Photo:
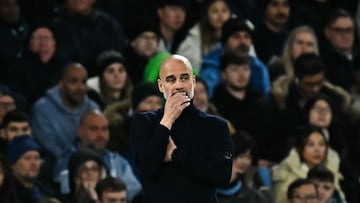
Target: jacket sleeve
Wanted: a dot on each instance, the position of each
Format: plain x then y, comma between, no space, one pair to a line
149,142
215,170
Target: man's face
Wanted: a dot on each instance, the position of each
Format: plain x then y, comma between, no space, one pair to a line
305,193
114,197
341,34
7,103
176,76
150,103
236,76
172,17
42,41
241,164
320,114
145,44
73,85
82,7
201,99
14,129
9,11
311,85
94,131
27,167
277,12
325,189
240,41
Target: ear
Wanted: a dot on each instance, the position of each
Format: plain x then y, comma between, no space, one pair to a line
80,132
194,80
160,85
223,75
327,32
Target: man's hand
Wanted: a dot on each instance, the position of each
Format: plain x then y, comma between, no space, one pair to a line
169,150
174,105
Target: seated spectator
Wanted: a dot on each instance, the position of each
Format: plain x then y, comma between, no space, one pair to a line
236,36
243,186
7,102
86,169
84,32
206,34
112,86
300,40
23,154
143,45
310,149
302,190
41,68
55,117
7,190
111,190
14,31
324,180
16,123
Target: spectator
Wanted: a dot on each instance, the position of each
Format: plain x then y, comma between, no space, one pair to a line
206,34
310,149
23,154
339,52
236,36
86,169
14,32
41,68
302,190
7,189
79,27
16,123
301,40
242,187
324,180
55,117
111,190
143,45
270,35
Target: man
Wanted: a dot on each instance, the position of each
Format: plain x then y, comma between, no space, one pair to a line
324,180
55,116
235,99
270,35
181,152
284,107
15,123
236,36
143,46
14,33
171,15
93,132
302,190
339,52
110,190
84,32
24,157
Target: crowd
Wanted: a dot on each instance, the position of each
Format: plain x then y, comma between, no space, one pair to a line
284,74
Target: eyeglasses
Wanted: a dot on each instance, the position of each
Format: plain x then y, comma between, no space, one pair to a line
340,30
307,197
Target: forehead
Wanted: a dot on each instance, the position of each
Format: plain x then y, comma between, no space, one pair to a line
93,119
42,31
75,71
173,67
305,189
343,21
6,98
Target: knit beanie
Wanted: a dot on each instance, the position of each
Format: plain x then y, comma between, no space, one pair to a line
234,25
142,91
19,146
106,58
139,27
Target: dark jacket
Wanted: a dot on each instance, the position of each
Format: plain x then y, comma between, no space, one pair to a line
85,37
201,162
240,193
